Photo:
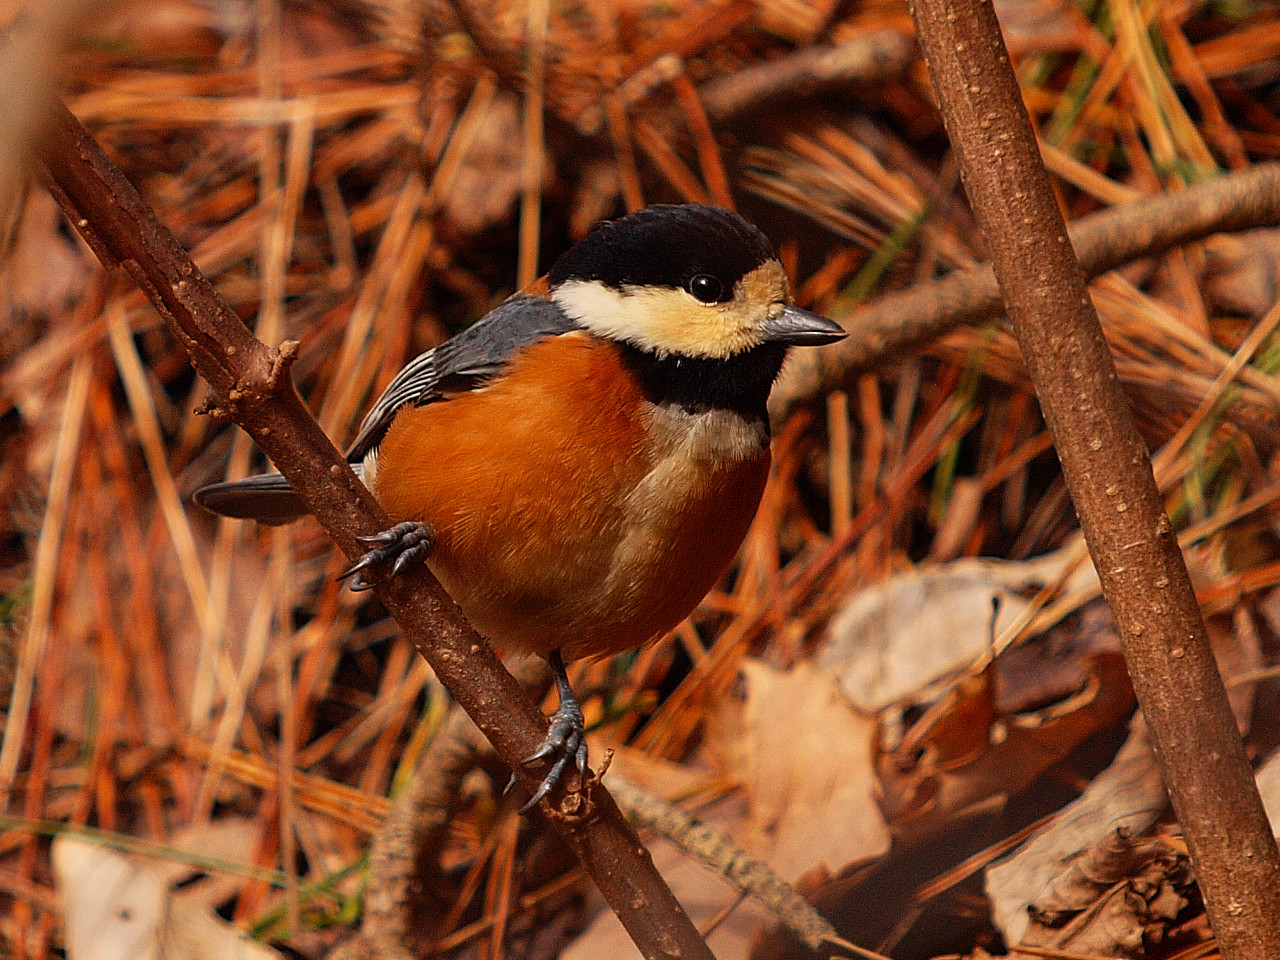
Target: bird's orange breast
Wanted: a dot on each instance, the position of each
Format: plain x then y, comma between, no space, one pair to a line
572,513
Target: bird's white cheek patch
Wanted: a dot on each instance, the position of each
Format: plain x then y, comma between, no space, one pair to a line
662,320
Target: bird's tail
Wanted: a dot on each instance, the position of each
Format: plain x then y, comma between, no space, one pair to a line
266,498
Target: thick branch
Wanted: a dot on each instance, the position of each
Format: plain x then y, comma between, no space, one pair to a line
1108,473
251,385
902,322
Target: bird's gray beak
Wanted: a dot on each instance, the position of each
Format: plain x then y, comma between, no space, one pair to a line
800,328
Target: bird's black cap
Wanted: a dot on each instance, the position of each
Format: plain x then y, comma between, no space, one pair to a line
664,246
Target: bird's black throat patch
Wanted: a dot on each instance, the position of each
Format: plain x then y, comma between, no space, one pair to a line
740,383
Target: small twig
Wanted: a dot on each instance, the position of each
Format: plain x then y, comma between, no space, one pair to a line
752,877
249,385
1108,472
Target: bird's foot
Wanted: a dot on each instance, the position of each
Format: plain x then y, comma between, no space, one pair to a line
403,543
566,741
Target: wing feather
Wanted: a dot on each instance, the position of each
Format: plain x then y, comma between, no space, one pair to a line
463,362
266,498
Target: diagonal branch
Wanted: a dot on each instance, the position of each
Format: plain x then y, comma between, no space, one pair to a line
251,385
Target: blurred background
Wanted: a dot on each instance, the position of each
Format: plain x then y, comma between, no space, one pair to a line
215,732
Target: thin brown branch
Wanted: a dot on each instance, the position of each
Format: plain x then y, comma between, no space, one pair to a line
1108,472
809,71
251,385
898,324
752,877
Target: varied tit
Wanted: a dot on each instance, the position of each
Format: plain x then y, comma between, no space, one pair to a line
580,466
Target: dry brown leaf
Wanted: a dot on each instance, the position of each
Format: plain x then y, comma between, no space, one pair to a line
486,186
890,643
118,908
1055,666
923,790
1039,26
913,642
1122,920
808,773
1085,883
44,271
233,839
1268,778
671,781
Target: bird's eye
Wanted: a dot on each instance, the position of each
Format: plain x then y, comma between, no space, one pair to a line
706,288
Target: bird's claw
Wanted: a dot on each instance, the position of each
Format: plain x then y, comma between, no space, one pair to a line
403,544
567,742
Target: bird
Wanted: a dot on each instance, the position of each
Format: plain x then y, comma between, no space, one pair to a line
579,467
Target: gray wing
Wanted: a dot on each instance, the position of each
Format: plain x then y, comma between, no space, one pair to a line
463,362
